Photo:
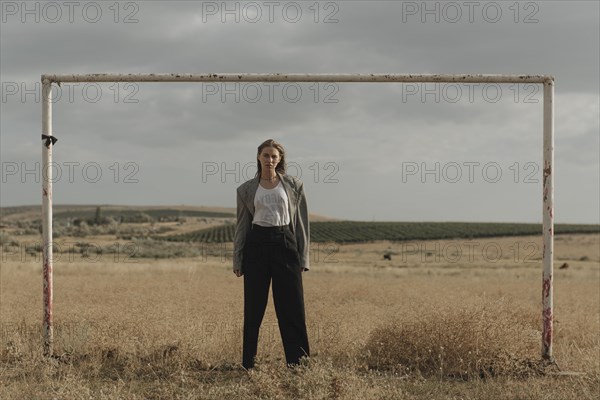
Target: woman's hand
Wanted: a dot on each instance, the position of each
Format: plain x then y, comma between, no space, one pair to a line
238,273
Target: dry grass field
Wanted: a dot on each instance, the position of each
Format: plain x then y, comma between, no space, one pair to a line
440,320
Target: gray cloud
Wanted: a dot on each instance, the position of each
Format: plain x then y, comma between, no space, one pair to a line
365,139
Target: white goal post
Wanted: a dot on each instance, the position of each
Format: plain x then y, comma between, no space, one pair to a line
548,157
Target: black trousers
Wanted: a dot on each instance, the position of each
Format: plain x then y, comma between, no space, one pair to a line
271,253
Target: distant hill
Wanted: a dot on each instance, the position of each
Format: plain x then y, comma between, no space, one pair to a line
180,231
32,212
216,224
364,231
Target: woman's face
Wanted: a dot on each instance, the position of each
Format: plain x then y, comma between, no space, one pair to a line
269,158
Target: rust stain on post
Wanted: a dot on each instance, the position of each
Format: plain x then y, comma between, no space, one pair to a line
548,330
48,325
546,287
547,172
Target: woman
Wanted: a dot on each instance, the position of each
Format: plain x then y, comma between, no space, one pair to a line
271,243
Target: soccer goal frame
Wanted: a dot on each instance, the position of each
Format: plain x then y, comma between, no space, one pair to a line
48,141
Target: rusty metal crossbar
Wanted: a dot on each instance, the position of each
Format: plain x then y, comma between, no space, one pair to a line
548,156
278,77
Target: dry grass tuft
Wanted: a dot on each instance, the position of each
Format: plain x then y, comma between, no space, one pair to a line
313,379
478,339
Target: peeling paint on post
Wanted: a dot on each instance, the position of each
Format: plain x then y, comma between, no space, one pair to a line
47,216
548,221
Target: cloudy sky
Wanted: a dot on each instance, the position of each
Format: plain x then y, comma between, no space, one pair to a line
384,151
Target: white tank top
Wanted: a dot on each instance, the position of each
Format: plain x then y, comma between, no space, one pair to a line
271,206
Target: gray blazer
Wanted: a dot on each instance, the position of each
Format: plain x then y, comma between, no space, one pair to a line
298,217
